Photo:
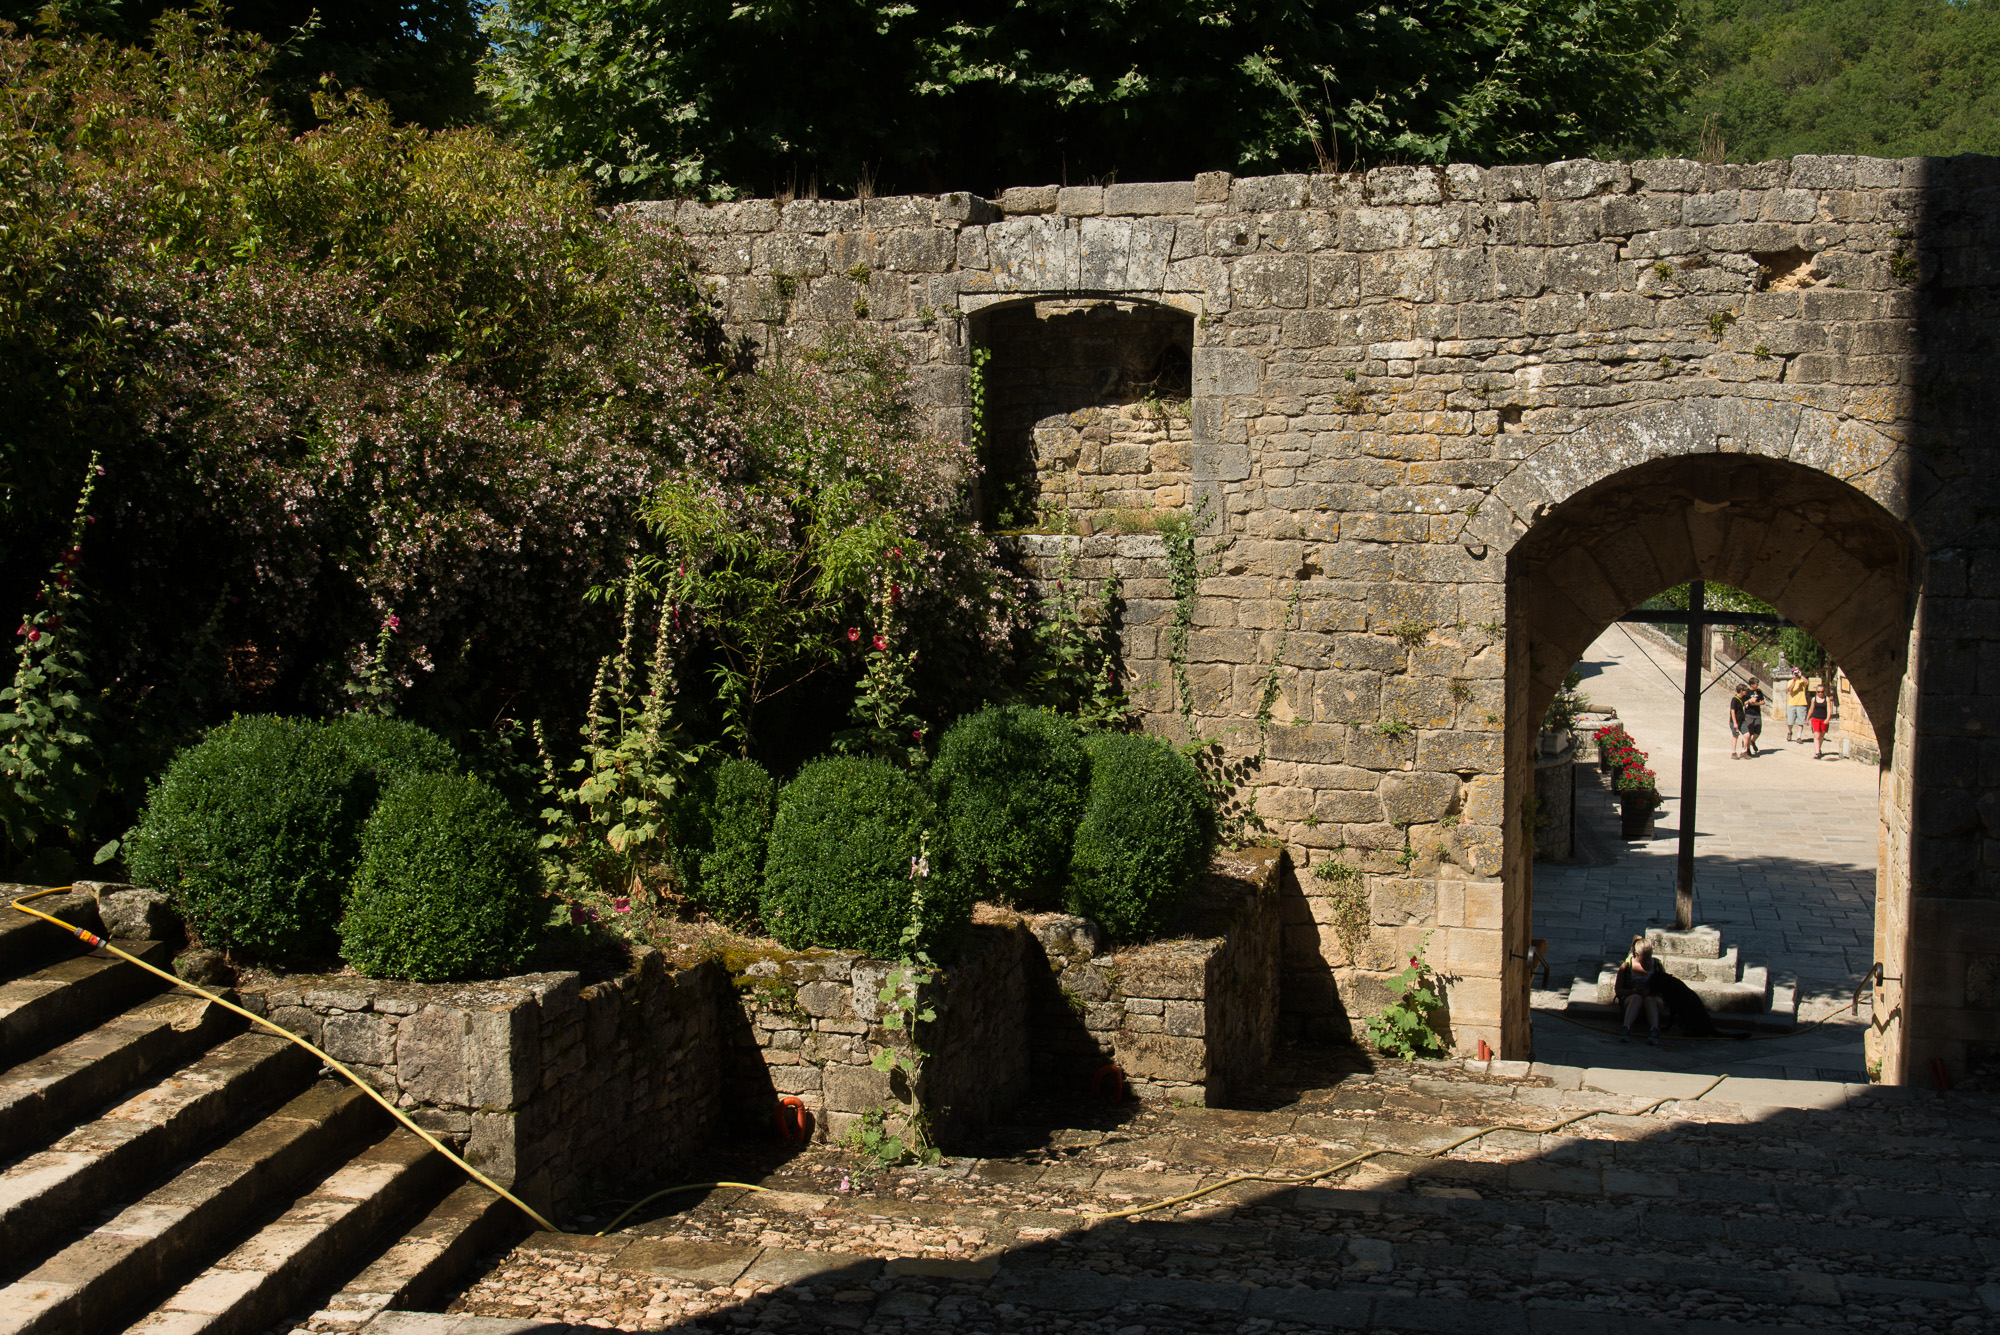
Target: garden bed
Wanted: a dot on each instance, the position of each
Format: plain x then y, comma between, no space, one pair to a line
1191,1016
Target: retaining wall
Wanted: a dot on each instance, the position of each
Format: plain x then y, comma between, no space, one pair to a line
558,1087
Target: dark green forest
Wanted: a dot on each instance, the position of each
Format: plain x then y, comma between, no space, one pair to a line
654,98
1886,78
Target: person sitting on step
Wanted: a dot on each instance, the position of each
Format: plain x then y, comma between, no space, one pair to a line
1638,989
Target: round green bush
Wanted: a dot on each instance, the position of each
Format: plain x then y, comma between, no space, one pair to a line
254,831
449,887
723,831
1147,831
1010,784
839,871
393,748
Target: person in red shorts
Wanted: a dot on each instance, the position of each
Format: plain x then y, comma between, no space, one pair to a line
1816,713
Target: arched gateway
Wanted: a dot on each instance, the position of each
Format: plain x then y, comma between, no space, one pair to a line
1454,422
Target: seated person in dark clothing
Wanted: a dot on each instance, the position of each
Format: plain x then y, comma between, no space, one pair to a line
1637,989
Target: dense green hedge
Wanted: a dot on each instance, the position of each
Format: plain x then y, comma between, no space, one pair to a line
1148,830
254,831
724,829
449,885
840,872
1010,784
393,749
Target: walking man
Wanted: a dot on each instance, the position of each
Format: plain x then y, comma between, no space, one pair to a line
1798,694
1736,716
1753,718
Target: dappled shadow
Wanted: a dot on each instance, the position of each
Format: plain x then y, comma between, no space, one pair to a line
1675,1216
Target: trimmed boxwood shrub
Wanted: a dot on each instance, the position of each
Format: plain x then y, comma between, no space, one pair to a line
1147,831
254,831
449,887
724,830
839,870
394,749
1010,784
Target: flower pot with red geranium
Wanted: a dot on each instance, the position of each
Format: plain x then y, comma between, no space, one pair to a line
1638,798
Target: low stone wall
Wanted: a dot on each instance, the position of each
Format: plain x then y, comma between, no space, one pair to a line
811,1022
557,1087
1191,1017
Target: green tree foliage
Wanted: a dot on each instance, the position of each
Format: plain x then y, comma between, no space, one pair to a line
329,375
449,885
665,97
1887,78
418,56
847,526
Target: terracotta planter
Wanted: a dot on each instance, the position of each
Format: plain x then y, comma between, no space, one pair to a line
1635,814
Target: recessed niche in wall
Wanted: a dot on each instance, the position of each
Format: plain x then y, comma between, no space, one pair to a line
1086,412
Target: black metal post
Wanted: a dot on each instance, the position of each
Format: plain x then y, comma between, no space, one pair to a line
1697,629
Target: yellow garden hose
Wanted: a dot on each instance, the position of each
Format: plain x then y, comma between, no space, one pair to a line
91,939
1345,1164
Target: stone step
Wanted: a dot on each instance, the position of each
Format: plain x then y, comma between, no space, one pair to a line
326,1235
121,1154
27,943
1748,995
177,1229
59,1088
424,1264
44,1007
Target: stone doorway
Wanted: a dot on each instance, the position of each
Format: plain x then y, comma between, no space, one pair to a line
1824,554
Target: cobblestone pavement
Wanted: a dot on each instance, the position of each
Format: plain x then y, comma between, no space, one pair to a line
1858,1207
1785,867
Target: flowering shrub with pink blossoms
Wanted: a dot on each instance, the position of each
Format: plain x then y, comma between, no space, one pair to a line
367,377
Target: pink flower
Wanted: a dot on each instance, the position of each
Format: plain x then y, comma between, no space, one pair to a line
621,905
917,734
881,643
895,553
853,634
579,915
895,594
394,624
33,636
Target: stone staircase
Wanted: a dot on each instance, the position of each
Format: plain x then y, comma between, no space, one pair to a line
164,1167
1700,1217
1764,998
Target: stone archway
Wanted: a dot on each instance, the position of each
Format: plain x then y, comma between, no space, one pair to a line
1820,549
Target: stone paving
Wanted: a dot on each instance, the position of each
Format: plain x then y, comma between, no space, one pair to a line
1705,1207
1785,867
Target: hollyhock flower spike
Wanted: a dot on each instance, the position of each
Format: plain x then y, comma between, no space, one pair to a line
881,643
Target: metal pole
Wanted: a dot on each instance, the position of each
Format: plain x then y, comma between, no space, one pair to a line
1690,748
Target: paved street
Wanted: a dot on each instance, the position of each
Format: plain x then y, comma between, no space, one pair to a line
1785,867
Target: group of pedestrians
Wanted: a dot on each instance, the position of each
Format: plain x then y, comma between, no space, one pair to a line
1807,709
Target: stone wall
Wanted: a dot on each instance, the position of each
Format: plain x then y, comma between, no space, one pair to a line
557,1087
1191,1016
812,1021
1468,417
